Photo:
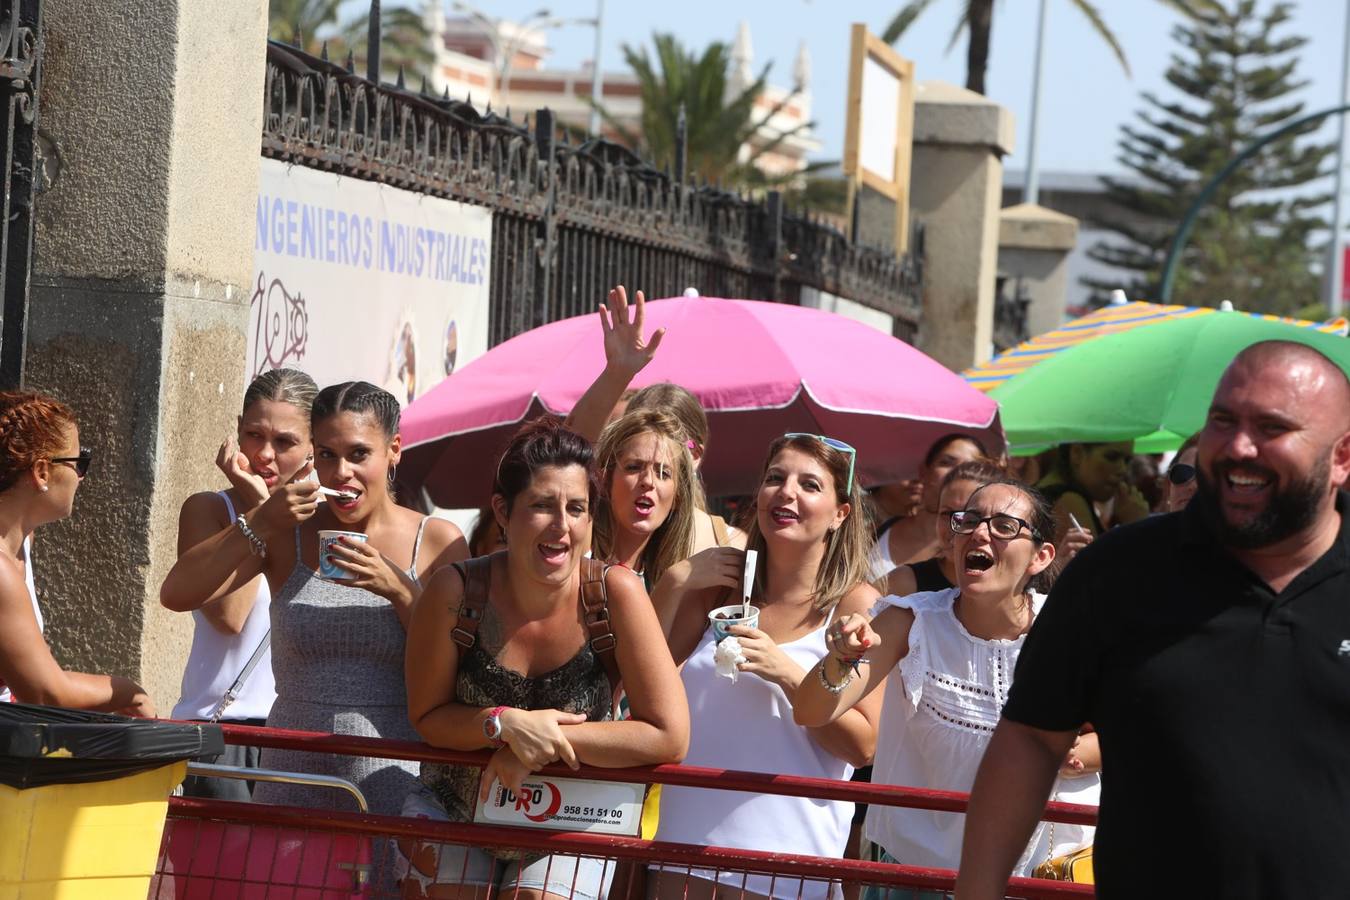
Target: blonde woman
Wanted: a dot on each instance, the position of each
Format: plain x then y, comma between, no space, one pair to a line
812,537
645,517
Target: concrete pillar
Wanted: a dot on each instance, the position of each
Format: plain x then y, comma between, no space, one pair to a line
1034,244
139,304
956,182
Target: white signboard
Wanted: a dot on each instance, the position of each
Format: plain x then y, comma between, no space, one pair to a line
355,280
566,804
880,119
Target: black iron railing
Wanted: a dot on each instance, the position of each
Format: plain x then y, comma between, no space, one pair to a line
569,221
20,72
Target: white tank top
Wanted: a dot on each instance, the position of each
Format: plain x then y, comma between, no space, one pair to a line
5,696
216,660
748,725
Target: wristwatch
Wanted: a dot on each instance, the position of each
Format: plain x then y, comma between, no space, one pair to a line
492,726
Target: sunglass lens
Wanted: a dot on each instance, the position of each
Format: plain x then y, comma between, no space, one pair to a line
82,464
1181,473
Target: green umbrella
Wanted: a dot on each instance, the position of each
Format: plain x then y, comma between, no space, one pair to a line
1152,385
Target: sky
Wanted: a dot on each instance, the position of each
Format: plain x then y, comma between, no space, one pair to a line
1086,93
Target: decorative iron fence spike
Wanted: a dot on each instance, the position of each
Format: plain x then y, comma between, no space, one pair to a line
323,52
423,89
400,82
297,38
351,62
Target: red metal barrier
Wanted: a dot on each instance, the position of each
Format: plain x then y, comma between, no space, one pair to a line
218,850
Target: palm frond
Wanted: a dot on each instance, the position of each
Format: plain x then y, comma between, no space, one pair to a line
903,19
1099,25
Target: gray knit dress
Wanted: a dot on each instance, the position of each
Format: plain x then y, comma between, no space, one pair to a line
337,655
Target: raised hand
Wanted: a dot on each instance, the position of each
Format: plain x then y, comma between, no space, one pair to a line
627,351
250,487
536,735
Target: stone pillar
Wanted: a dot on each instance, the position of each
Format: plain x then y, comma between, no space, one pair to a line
139,305
1034,244
956,182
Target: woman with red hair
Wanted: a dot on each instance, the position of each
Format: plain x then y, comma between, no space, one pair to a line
41,467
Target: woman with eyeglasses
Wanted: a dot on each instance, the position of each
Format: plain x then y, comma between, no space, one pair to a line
1181,477
946,660
41,467
810,532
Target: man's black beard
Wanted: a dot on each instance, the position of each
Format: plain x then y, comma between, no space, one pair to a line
1289,511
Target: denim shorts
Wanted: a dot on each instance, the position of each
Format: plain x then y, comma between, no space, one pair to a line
576,877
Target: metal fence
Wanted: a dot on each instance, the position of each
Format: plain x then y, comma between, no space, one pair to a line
20,72
569,221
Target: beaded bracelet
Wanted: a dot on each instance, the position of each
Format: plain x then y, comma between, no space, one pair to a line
829,685
256,545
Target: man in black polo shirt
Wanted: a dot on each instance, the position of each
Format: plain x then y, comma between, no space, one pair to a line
1211,650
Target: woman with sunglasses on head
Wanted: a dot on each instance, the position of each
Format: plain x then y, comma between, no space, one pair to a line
1181,483
41,467
811,535
337,642
946,660
272,444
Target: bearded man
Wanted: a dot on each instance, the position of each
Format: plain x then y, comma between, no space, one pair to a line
1210,648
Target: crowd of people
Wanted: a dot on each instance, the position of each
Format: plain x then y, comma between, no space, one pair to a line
894,627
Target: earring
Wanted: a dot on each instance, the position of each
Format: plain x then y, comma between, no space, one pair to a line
44,488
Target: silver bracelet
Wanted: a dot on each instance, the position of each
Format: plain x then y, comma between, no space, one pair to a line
256,545
829,685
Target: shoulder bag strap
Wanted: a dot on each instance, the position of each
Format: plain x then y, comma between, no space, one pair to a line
232,692
477,575
595,615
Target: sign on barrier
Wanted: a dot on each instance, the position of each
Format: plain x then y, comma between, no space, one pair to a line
566,804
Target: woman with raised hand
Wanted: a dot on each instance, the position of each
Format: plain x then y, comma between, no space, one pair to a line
338,641
946,659
272,444
41,467
627,352
644,516
811,537
522,652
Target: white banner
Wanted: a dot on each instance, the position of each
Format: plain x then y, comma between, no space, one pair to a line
566,804
360,281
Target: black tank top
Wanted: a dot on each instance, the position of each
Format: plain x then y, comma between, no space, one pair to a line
928,576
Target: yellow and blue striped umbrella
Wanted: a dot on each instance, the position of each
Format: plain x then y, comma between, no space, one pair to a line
1107,320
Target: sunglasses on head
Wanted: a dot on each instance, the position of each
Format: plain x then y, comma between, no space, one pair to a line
835,444
79,463
1181,473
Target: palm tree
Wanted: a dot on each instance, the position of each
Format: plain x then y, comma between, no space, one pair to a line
978,20
699,88
404,40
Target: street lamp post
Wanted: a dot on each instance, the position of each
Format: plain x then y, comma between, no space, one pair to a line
505,51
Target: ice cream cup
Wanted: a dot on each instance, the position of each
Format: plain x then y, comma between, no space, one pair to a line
721,625
328,567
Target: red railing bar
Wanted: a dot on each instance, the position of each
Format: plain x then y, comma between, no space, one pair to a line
665,853
683,776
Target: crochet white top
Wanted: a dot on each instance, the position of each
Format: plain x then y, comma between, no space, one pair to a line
940,711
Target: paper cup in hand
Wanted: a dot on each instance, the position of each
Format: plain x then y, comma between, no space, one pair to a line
724,617
328,567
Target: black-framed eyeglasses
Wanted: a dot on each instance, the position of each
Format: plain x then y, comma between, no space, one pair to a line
836,444
1181,473
1001,525
79,463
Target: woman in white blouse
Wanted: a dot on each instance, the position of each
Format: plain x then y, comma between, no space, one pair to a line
955,651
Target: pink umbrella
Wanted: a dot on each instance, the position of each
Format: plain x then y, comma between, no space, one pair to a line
760,369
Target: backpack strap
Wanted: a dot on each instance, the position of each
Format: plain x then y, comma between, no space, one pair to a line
477,575
595,616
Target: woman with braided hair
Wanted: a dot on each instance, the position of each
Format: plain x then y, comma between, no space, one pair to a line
41,467
337,642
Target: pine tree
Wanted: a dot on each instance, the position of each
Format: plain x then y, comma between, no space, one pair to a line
1252,244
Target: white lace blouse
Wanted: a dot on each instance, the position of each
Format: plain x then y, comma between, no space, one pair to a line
940,710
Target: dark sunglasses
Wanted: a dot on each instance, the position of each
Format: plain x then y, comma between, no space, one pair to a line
1181,473
79,463
1001,525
